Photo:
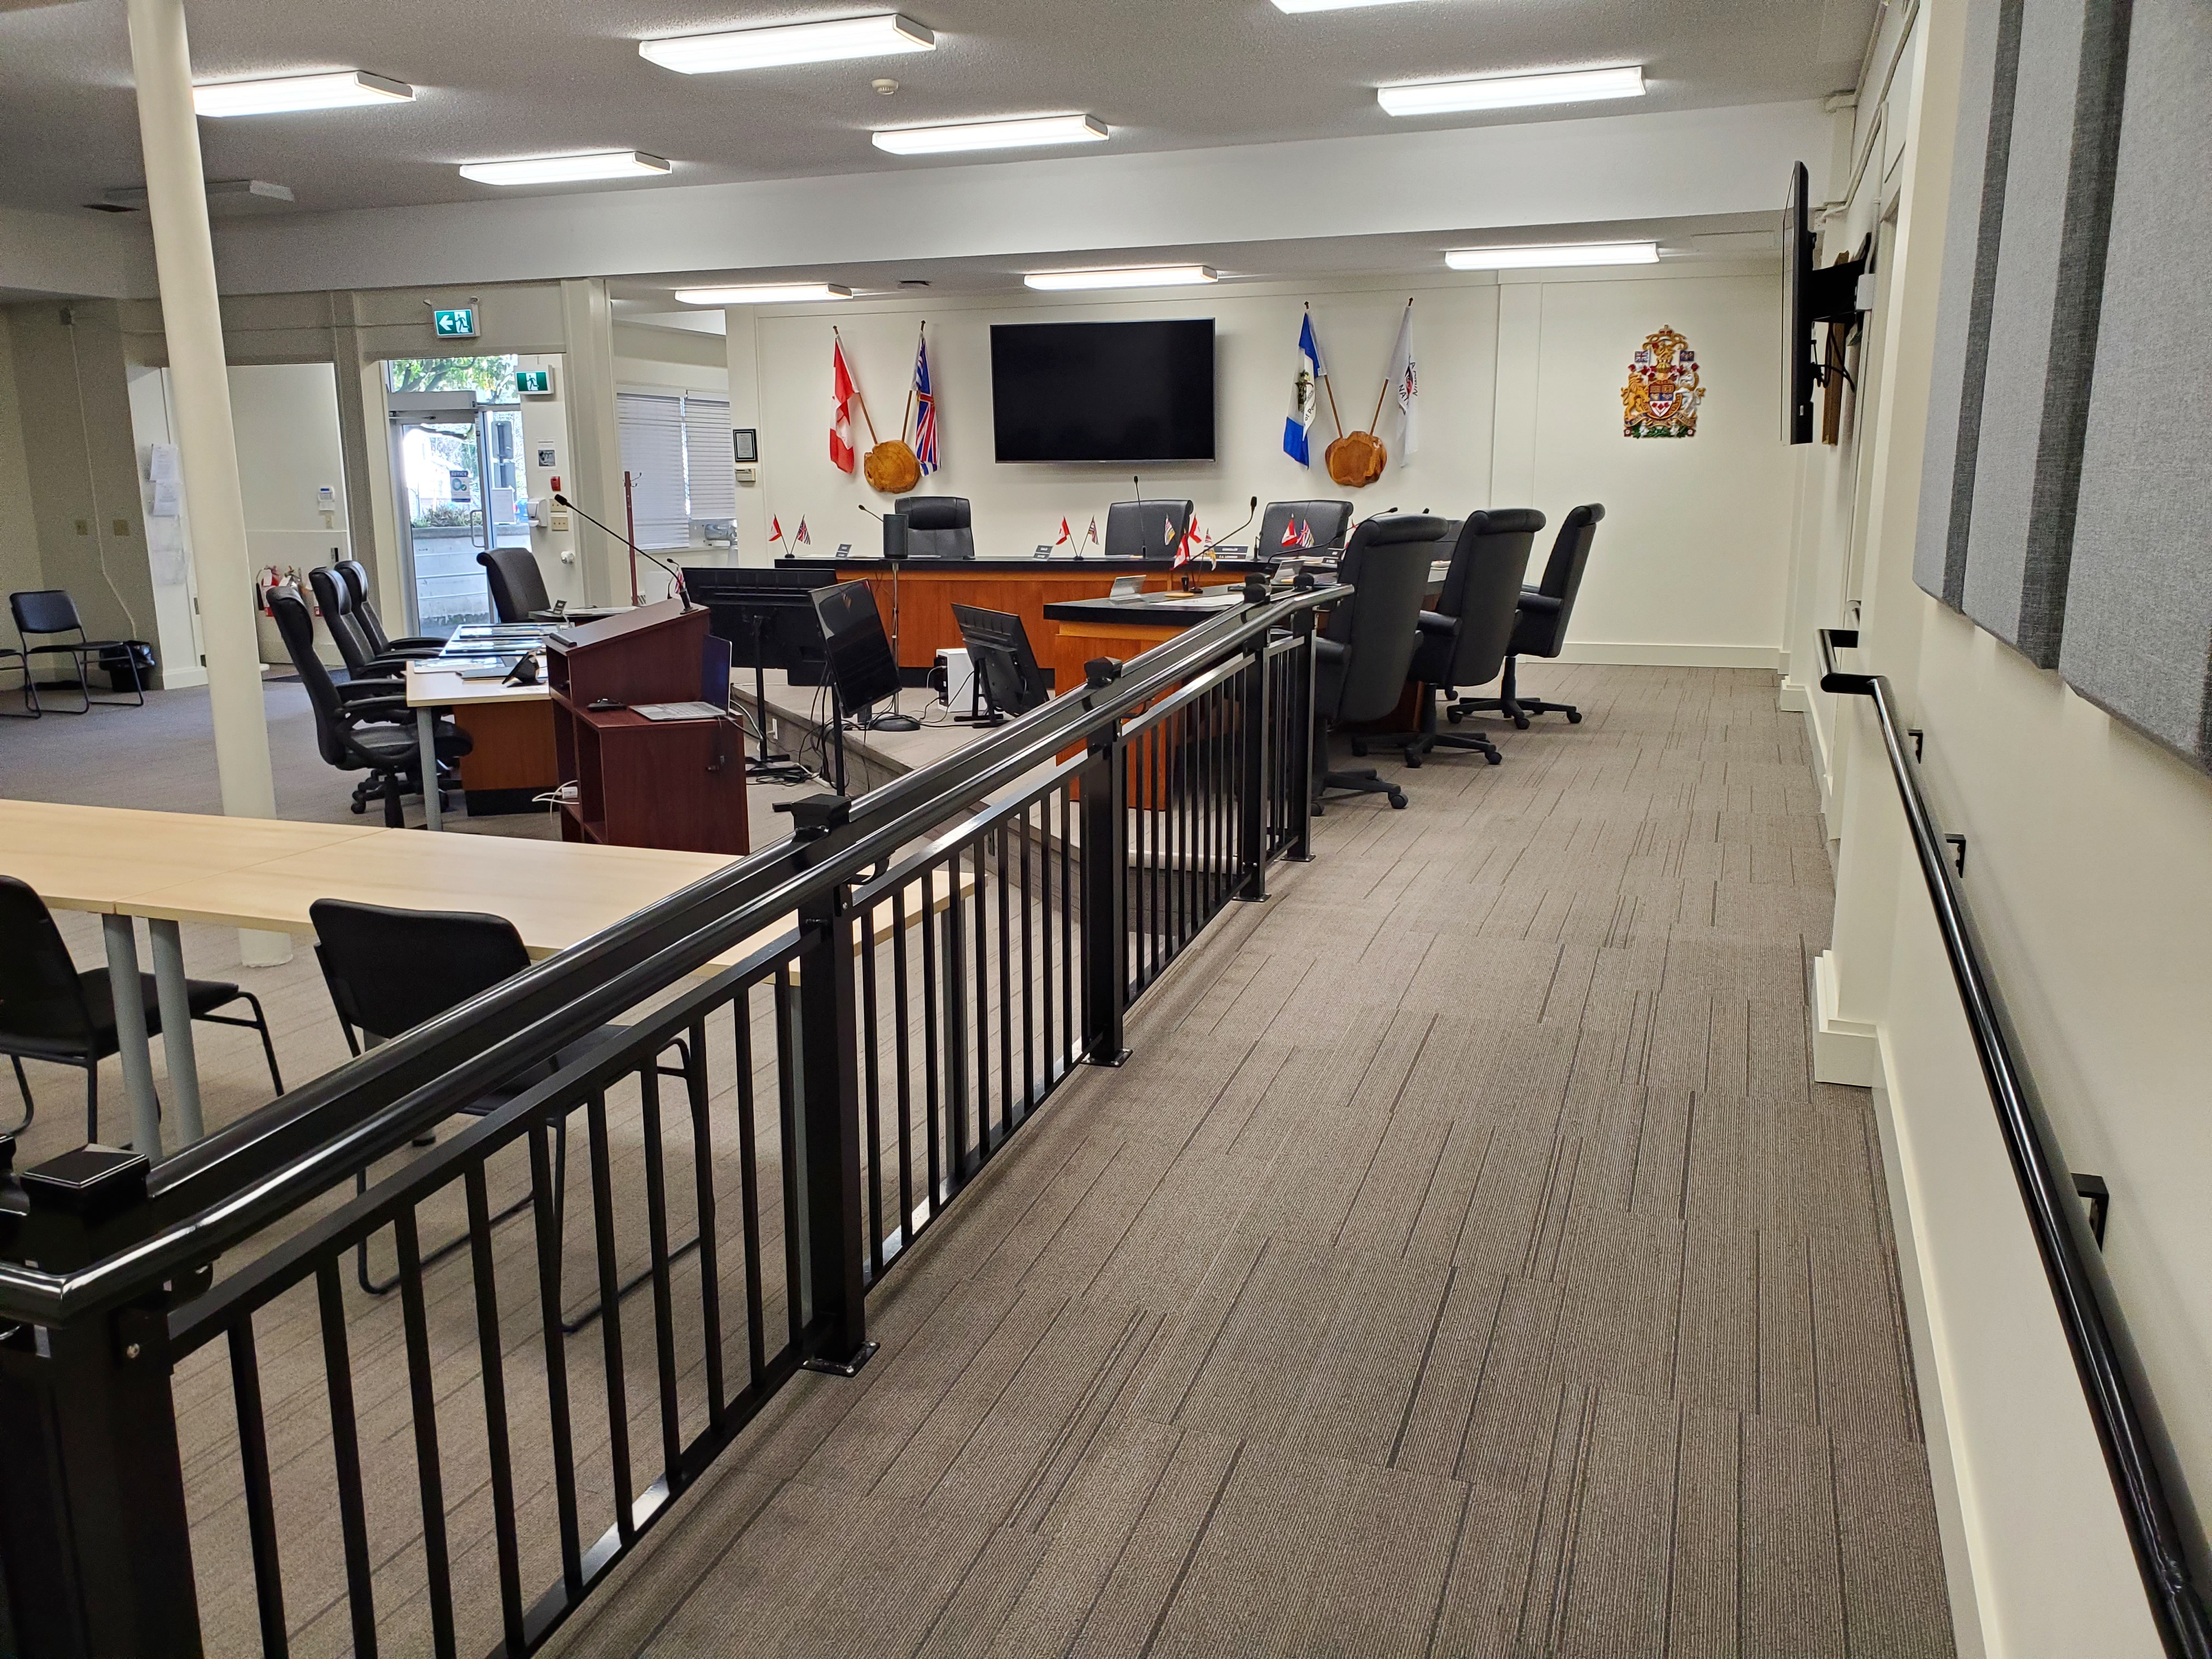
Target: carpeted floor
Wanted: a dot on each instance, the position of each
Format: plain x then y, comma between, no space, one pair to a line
1464,1265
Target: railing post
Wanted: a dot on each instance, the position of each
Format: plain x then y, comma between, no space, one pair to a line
94,1536
1258,734
1105,854
1298,730
825,1155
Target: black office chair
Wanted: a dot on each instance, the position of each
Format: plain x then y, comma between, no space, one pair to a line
49,613
1541,627
334,599
518,590
1463,639
51,1012
938,527
351,727
1314,528
1134,528
390,970
354,576
1367,644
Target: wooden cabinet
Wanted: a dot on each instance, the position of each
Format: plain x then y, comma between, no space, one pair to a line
676,784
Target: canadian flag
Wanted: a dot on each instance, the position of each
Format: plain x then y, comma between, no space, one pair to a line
775,529
1290,533
841,403
1063,534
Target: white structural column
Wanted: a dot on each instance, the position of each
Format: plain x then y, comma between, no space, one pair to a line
183,259
593,478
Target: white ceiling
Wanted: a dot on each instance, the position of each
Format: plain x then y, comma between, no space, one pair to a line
503,78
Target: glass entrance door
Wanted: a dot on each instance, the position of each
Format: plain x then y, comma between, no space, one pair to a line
457,474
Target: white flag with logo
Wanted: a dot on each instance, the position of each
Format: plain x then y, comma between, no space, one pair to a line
1406,386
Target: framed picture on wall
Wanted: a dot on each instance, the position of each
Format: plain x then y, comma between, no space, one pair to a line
745,443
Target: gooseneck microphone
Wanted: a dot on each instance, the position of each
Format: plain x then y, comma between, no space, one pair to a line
675,575
1143,530
1253,514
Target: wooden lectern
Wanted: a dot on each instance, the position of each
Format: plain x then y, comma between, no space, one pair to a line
676,784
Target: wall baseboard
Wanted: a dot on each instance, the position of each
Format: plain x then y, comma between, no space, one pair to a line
1794,698
1638,655
1844,1050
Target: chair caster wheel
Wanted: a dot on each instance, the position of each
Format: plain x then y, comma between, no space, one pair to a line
1413,763
1495,758
1521,722
1397,800
1574,717
1453,715
359,809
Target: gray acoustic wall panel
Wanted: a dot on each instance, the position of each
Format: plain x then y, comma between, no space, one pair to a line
2139,599
2043,320
1970,271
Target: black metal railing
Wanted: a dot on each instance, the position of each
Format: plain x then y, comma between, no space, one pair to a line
2086,1309
864,1014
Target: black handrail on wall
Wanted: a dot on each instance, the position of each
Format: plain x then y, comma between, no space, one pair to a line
2054,1216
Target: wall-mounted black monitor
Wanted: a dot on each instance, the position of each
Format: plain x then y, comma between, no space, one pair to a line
1131,392
1796,310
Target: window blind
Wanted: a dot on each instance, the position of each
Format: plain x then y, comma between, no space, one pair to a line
651,427
709,461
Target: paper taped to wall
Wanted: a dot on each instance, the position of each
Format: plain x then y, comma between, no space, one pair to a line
161,465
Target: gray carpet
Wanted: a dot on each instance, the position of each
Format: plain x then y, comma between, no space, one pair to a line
1464,1264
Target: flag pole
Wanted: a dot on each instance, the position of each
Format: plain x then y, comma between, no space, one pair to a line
861,398
1386,382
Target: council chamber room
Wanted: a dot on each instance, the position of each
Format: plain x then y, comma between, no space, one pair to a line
1367,827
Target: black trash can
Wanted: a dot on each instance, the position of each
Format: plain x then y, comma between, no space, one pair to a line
129,665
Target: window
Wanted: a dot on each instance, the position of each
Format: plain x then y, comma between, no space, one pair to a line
676,447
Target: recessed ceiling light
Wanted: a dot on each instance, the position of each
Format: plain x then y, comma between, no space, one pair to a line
1512,91
286,93
568,169
766,294
993,135
789,43
1137,276
1558,253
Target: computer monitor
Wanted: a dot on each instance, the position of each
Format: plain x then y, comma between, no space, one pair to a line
999,646
861,666
767,614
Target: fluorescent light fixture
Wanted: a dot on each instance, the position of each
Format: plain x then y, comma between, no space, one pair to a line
1136,277
993,135
1512,91
286,93
1297,6
568,169
789,43
1558,253
766,294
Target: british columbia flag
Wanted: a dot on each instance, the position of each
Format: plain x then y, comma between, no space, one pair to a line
925,424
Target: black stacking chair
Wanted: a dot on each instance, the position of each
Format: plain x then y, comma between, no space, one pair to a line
49,614
518,588
1367,645
51,1012
1325,521
352,727
1463,639
390,970
1541,627
30,710
1134,528
354,576
938,527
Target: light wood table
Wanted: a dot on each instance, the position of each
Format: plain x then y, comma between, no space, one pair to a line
97,859
511,726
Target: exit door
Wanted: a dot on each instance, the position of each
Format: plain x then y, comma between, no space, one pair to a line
456,466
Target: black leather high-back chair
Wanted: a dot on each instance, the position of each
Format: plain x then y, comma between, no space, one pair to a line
1463,639
938,527
353,728
1367,644
51,1012
354,576
1324,522
1134,528
518,588
334,599
49,614
1541,627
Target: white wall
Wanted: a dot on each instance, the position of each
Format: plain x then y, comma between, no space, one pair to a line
1691,565
2090,886
19,529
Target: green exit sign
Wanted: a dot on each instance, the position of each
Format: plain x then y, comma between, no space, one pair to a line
534,382
458,323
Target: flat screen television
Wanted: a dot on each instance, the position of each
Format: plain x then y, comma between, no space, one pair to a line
1798,376
1131,393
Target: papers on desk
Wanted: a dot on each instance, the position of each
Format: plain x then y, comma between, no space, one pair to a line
678,711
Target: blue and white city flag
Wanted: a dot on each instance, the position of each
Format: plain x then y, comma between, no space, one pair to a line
1304,396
